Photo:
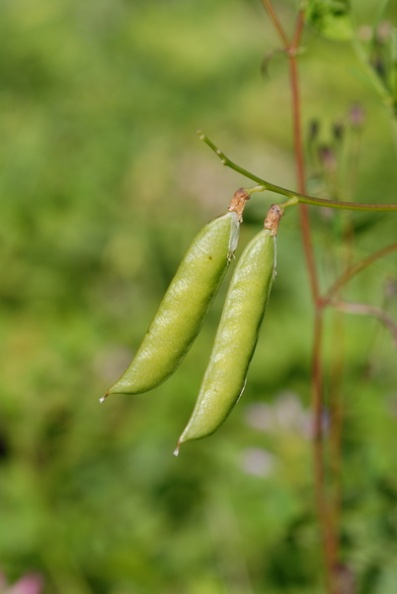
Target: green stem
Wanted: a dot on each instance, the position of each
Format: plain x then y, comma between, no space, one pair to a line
300,198
227,162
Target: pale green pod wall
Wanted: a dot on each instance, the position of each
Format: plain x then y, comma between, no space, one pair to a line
183,308
236,337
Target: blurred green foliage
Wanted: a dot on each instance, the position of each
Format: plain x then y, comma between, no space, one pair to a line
103,184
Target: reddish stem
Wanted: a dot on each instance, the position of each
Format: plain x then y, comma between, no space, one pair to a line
300,175
329,539
335,427
355,269
327,528
277,24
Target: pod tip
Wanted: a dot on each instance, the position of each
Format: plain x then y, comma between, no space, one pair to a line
101,400
176,451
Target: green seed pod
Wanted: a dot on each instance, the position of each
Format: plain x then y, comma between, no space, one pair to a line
183,308
237,334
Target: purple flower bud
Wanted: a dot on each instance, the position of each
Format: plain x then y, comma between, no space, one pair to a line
356,115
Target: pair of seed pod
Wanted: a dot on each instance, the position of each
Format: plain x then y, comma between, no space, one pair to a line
185,305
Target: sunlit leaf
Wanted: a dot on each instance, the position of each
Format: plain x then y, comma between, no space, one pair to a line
330,18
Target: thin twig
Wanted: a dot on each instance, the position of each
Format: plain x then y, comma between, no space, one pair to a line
299,26
300,197
275,20
363,309
353,270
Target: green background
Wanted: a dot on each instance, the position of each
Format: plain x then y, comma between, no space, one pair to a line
103,185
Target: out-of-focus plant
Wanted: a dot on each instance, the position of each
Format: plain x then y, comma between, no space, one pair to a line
27,584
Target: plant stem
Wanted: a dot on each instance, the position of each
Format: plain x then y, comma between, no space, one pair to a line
301,198
368,310
329,540
275,20
299,159
327,529
355,269
336,423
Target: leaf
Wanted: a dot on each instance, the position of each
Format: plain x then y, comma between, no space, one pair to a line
330,18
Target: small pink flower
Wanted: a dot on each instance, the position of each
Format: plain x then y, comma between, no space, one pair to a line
31,583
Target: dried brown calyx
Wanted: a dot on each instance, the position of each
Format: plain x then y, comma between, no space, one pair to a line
273,217
237,203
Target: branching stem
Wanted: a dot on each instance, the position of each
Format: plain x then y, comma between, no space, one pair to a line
328,511
300,198
356,268
368,310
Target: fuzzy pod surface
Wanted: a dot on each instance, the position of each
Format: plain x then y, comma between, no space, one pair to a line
183,308
236,337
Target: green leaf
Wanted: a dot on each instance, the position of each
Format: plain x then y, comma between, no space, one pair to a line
330,18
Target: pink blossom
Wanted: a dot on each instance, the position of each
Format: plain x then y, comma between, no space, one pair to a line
31,583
